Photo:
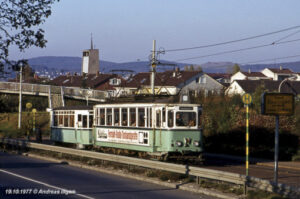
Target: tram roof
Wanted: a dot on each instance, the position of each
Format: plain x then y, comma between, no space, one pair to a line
74,108
143,104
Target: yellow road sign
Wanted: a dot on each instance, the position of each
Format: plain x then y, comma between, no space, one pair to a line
278,104
247,99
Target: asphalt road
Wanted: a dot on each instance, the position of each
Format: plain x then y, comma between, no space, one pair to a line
24,177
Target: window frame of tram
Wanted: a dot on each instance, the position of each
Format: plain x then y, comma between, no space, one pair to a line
124,114
186,118
141,117
132,117
64,119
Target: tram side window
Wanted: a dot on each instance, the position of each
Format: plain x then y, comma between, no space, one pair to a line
79,120
164,115
132,117
124,117
141,114
71,121
109,117
55,120
117,116
84,121
91,121
170,118
158,118
102,116
60,120
66,120
150,117
97,117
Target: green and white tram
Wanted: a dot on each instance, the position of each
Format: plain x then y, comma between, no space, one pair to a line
73,125
158,129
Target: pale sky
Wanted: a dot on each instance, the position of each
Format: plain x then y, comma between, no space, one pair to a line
123,30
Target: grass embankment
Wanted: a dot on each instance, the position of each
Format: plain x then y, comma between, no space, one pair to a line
9,124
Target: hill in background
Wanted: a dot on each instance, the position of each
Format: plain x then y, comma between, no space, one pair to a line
73,64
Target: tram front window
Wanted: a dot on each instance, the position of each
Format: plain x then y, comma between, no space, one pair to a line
186,119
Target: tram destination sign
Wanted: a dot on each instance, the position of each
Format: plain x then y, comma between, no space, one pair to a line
278,104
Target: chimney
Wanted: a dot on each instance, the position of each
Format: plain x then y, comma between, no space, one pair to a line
280,67
249,71
68,74
97,74
35,76
176,72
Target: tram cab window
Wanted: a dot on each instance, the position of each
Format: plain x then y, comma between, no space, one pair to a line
116,116
102,116
124,117
170,118
108,117
141,114
132,116
186,119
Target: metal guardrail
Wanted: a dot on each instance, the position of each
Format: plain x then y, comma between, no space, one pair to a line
176,168
39,89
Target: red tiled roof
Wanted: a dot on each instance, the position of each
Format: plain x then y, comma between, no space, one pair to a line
167,78
249,86
253,74
219,75
91,80
283,70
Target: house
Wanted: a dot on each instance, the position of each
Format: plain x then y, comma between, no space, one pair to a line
278,74
104,82
248,76
241,87
170,83
298,76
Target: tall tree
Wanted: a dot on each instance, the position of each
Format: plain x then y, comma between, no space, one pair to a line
19,21
236,68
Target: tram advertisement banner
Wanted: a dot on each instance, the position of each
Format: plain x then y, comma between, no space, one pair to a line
137,137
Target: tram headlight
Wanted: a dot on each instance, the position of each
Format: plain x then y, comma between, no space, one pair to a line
196,143
179,143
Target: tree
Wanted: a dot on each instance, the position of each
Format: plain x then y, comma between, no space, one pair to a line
19,20
199,68
236,68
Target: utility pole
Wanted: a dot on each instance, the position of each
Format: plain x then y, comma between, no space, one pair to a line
20,98
153,68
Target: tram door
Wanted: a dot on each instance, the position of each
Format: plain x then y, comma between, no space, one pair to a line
81,126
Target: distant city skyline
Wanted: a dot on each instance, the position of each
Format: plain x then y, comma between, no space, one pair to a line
123,30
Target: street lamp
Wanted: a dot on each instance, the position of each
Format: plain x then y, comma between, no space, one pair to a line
283,81
20,96
277,134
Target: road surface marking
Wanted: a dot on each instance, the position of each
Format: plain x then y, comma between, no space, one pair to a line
42,183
